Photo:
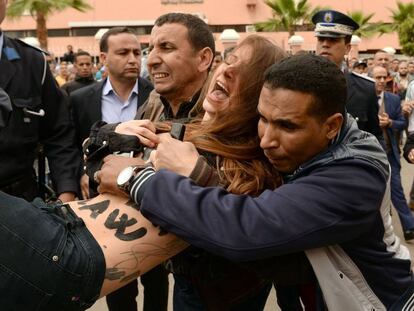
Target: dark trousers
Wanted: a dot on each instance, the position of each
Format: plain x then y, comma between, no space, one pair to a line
25,188
123,299
397,195
288,298
155,283
186,298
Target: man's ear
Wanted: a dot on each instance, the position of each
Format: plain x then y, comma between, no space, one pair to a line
333,125
347,48
205,58
102,58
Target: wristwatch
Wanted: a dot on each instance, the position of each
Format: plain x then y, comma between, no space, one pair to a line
125,177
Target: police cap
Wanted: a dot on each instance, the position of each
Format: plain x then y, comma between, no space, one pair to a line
333,24
360,63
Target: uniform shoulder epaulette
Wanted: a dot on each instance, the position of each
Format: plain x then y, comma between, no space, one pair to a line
363,77
32,46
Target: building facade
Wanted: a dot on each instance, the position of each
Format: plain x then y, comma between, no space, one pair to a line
82,29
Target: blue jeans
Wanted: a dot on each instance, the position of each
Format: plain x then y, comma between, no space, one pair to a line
48,258
397,195
186,298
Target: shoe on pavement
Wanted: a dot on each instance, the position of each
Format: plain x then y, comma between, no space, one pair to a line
409,235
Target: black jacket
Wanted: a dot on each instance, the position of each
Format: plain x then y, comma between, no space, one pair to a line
77,84
362,104
86,106
25,76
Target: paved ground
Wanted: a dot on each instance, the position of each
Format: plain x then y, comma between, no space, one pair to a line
407,178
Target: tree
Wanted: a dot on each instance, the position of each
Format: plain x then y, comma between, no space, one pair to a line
403,12
406,36
40,10
403,23
366,29
287,15
399,16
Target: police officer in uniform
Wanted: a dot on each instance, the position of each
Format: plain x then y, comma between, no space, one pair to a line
40,114
334,31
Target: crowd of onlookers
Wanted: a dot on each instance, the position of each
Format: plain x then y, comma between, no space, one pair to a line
400,69
399,81
64,68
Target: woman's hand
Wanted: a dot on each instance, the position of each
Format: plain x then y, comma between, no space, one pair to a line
407,108
84,184
174,155
143,129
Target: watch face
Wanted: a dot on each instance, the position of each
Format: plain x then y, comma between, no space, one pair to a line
125,175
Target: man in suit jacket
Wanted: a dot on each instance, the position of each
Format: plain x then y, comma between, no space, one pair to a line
391,119
86,106
361,100
116,99
334,31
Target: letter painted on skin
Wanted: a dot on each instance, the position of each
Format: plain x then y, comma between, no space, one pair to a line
84,202
131,277
162,231
121,224
127,269
96,209
132,204
114,274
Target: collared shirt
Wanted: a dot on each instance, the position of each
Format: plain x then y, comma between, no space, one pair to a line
409,96
381,109
380,99
114,109
183,110
1,42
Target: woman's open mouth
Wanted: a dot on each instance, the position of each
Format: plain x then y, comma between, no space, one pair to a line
219,91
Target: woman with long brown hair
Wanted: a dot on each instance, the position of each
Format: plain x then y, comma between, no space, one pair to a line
227,139
228,127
